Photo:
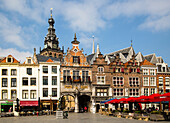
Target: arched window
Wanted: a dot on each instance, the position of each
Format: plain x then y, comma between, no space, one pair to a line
100,69
50,54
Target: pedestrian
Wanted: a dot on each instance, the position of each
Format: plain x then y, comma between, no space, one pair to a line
85,109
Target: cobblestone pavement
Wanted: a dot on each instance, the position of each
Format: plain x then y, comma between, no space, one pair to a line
73,118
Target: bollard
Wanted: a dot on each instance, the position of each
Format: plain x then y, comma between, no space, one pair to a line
37,113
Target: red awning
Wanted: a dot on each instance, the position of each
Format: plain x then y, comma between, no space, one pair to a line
28,103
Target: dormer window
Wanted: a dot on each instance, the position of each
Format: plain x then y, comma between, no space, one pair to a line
29,61
9,60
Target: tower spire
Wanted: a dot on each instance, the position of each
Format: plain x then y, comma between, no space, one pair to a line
98,50
93,49
75,38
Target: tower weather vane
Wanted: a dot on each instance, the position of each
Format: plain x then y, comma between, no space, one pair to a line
51,11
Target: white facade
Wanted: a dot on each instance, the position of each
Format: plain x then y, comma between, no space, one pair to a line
50,85
29,81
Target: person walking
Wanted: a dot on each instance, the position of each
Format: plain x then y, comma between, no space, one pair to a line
85,109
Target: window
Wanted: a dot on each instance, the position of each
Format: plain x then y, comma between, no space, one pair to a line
45,92
152,71
85,76
45,69
146,92
24,94
54,92
4,72
101,92
76,76
25,81
45,80
145,72
29,61
33,94
167,81
118,92
4,94
152,91
13,94
66,75
4,82
133,81
145,81
9,59
118,81
33,81
134,92
163,69
100,80
29,71
13,72
160,81
13,82
54,69
76,59
54,80
100,69
152,81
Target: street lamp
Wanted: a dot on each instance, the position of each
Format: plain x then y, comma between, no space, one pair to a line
50,104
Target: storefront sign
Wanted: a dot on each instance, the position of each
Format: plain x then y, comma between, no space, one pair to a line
46,103
84,86
28,103
68,86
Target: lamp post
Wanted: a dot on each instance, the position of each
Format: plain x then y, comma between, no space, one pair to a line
50,104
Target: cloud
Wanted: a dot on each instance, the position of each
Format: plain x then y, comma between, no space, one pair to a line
155,13
156,24
10,32
19,55
86,40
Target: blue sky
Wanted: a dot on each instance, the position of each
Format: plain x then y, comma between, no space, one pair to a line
24,24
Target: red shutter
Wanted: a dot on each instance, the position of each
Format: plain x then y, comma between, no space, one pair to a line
130,70
138,70
122,70
119,63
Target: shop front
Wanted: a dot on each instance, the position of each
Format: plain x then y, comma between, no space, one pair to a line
49,104
6,106
28,105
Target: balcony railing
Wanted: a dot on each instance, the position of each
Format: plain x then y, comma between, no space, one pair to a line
86,79
67,79
76,79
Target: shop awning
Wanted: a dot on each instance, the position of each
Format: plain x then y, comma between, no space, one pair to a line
107,100
28,103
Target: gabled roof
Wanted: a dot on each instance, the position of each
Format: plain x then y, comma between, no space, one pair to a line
149,57
31,59
42,58
146,62
139,57
4,59
125,50
89,57
49,60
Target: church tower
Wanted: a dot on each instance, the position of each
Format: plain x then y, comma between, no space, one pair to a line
51,43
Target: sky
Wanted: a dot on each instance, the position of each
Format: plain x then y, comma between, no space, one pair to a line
114,23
